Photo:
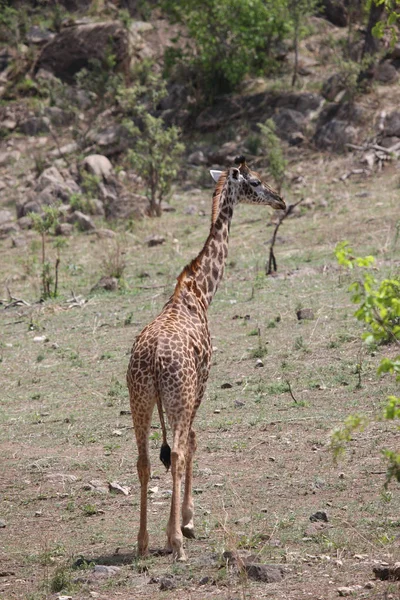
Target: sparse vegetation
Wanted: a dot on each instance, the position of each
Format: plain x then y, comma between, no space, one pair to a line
263,464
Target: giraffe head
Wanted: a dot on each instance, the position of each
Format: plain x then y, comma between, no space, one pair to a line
246,186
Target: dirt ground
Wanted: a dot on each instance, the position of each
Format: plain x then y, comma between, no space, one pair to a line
264,463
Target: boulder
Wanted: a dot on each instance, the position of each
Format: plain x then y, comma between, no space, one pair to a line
58,116
48,177
8,158
34,125
74,47
335,11
5,216
39,36
256,107
197,158
98,165
334,135
392,125
288,122
385,72
82,221
64,229
8,228
112,140
332,87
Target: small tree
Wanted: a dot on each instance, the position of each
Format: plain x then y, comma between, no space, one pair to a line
44,224
156,158
299,12
156,148
272,146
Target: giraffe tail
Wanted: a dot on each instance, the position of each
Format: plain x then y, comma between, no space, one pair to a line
165,452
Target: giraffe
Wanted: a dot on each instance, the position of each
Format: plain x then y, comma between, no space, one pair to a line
170,359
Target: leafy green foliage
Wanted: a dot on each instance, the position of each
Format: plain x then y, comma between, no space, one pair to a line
155,157
344,434
379,308
392,21
226,40
379,302
44,224
156,151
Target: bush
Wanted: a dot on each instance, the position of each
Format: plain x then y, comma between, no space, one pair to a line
226,40
379,309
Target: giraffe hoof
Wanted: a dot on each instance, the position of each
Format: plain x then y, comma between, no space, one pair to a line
188,532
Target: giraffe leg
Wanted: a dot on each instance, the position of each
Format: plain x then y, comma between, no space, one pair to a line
187,505
142,431
174,533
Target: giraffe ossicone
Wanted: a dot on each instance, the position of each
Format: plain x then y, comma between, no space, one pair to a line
171,357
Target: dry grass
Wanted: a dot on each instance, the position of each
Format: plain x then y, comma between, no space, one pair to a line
263,464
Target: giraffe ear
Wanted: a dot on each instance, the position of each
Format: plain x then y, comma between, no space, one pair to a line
216,175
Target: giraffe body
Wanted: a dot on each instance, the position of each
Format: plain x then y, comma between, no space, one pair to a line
171,357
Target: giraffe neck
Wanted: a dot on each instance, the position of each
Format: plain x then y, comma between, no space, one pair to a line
205,272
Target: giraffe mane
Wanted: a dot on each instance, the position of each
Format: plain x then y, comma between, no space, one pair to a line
217,196
192,267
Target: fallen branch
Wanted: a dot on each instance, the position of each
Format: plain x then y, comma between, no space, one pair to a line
271,266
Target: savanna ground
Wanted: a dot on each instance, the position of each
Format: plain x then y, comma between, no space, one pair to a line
263,465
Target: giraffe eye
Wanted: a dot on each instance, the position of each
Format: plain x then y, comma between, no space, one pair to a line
255,183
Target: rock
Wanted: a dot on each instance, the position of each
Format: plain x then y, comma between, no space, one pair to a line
74,47
332,87
112,140
49,176
104,234
335,11
259,363
5,216
105,571
315,529
167,583
83,222
37,35
197,158
25,222
257,107
35,125
388,573
58,116
96,486
266,573
288,121
18,241
205,580
305,314
345,591
8,158
7,229
385,72
110,284
320,515
98,165
63,150
2,524
334,135
296,139
239,403
392,124
388,142
118,489
9,124
64,229
154,240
